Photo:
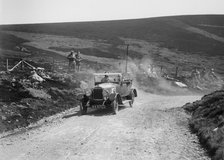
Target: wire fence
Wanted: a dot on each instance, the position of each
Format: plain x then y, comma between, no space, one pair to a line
11,63
52,64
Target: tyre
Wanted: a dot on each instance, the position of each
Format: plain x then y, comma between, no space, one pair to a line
114,106
132,99
83,108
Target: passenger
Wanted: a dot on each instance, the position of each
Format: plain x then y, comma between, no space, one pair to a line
118,78
105,79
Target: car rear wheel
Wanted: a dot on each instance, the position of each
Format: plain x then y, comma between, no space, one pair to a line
132,99
83,108
114,106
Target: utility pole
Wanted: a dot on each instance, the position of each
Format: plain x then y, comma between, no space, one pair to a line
126,68
176,73
7,65
53,64
161,69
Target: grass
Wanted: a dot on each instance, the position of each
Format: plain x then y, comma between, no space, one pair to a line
10,41
167,31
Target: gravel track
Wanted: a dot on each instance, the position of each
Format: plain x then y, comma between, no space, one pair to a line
155,128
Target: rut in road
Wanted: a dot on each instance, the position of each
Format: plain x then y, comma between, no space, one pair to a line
153,129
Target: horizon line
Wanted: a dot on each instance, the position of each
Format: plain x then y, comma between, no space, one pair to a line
110,20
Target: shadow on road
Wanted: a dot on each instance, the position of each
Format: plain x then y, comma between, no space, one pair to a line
103,112
73,114
95,112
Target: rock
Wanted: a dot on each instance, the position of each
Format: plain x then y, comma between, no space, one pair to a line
3,117
21,106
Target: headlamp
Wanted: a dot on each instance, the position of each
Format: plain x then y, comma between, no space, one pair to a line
113,90
88,92
105,93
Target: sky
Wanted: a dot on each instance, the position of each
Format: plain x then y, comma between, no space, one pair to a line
47,11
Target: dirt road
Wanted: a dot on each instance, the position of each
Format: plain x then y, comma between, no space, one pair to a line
151,130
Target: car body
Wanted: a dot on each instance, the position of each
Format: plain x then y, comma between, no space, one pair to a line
112,93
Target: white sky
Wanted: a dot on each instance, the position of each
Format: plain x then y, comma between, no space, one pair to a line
42,11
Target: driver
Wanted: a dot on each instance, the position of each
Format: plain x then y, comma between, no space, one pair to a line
118,78
105,79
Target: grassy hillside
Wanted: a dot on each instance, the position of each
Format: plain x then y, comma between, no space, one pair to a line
167,31
183,41
210,23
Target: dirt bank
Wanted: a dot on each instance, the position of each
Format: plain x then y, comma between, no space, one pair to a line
24,101
207,122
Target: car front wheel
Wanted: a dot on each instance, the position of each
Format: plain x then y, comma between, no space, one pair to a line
83,108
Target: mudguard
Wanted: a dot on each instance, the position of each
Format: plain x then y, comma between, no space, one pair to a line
135,92
114,96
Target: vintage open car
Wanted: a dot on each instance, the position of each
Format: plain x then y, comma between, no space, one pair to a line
114,92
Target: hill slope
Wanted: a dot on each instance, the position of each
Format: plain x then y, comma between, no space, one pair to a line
173,32
186,41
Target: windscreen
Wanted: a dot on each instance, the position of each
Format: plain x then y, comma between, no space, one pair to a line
108,78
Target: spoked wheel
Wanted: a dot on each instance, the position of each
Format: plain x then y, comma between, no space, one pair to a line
83,108
114,106
132,99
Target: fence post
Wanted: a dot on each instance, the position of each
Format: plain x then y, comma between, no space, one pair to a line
22,65
7,65
161,69
53,65
176,74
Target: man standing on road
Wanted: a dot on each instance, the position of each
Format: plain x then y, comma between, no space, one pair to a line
71,60
78,60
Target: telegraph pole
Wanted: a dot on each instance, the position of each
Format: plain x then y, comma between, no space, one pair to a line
126,68
176,72
7,65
